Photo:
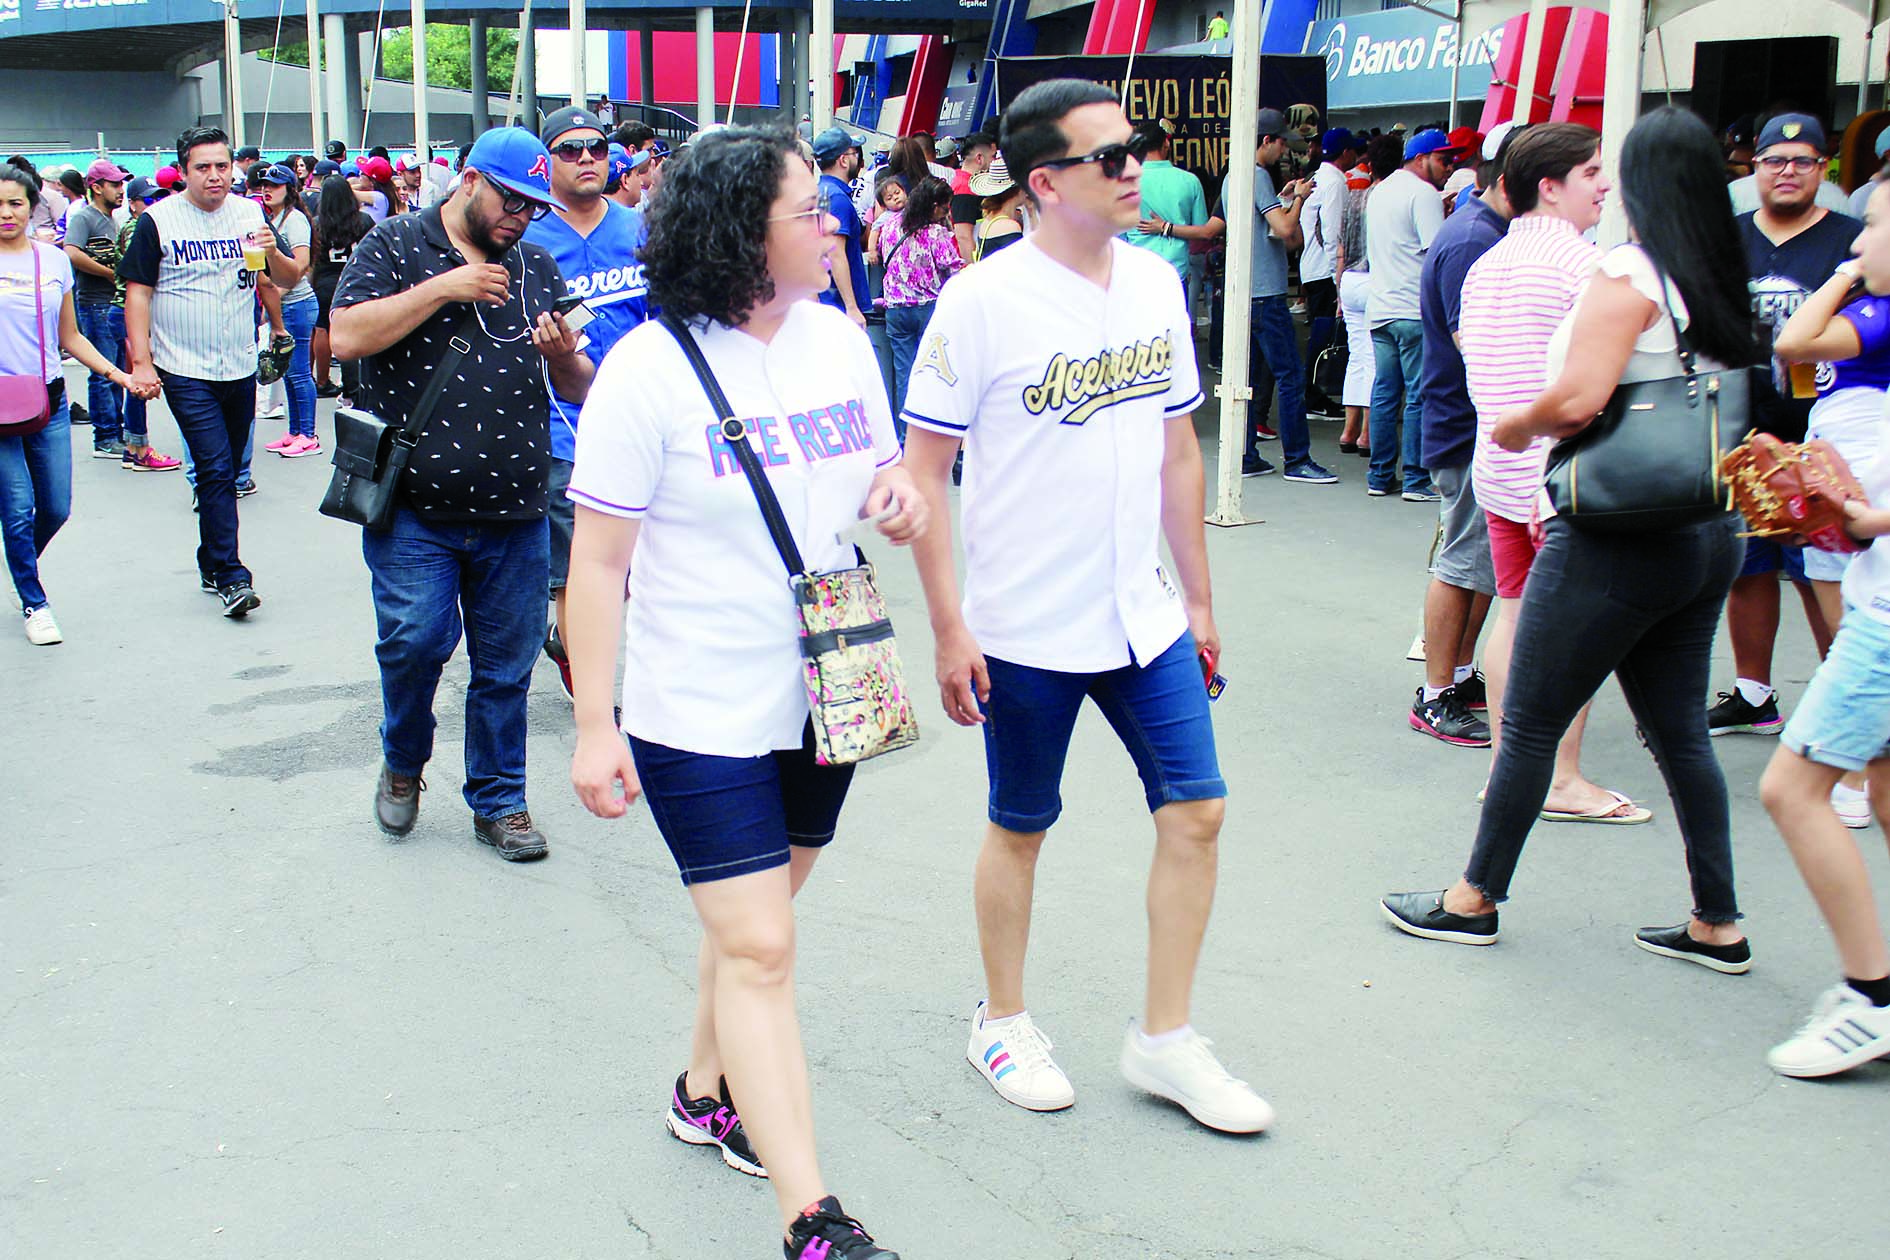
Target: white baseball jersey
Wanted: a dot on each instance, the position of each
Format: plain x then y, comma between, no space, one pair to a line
712,661
1061,391
203,310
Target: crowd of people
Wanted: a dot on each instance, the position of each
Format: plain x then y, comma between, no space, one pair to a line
604,342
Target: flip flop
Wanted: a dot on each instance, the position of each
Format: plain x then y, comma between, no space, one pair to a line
1609,813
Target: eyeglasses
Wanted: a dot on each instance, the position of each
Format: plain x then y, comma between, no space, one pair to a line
512,203
822,207
1112,158
572,150
1800,165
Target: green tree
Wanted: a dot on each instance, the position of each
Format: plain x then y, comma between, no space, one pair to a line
449,56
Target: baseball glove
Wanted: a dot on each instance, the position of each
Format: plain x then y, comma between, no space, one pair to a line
1786,488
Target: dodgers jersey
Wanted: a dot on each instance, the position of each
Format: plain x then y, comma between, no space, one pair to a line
601,268
1062,392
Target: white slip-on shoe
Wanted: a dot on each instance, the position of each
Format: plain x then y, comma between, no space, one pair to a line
1186,1073
1845,1030
41,629
1014,1056
1852,806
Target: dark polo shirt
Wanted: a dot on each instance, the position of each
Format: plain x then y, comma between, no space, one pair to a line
485,454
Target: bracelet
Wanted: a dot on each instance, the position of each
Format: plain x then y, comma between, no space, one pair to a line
1168,229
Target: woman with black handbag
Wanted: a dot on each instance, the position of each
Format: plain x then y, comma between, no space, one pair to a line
37,320
715,703
1640,603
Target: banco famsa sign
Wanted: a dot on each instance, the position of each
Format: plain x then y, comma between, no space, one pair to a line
1400,57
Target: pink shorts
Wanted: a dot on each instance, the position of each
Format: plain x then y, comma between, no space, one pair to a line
1513,547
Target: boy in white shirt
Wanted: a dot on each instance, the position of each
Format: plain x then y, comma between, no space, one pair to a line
1066,364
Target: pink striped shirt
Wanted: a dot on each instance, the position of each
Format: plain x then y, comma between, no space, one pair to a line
1514,297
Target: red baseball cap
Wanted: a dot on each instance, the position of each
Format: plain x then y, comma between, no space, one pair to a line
169,177
106,171
377,169
1467,140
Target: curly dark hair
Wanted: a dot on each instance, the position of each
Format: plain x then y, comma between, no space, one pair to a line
707,253
923,203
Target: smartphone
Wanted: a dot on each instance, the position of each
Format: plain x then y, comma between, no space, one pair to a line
576,313
860,531
1215,683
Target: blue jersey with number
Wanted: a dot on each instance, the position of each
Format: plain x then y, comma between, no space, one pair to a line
603,269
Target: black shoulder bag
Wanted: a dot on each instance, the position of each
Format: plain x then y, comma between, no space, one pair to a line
1650,460
371,455
856,691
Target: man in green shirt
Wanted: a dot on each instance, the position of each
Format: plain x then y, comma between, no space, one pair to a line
1217,26
1171,199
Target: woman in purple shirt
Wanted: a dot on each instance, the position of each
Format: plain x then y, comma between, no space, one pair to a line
921,256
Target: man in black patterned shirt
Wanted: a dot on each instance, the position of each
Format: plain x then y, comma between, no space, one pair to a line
468,550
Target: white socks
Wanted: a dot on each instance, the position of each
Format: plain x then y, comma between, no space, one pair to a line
1462,674
1159,1040
1754,693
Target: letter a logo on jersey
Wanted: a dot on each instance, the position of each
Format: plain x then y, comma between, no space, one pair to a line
935,360
540,167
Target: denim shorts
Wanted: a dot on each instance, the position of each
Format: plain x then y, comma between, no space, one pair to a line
728,816
1844,718
1768,555
1159,711
562,513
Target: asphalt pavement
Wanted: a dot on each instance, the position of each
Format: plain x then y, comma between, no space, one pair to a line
236,1021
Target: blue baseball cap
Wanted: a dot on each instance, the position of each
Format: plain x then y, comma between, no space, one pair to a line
1430,140
278,174
834,141
1337,140
325,168
517,161
620,163
350,170
1791,129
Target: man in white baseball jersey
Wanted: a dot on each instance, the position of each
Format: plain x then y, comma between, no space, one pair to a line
1066,365
190,320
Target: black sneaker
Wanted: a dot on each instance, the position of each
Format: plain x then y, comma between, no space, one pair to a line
513,836
209,584
1674,942
712,1121
1474,691
238,600
245,488
1732,715
77,414
825,1232
328,389
1448,719
1423,914
1254,466
554,648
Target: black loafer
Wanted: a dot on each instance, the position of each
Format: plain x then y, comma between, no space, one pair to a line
397,801
1423,914
513,836
1674,942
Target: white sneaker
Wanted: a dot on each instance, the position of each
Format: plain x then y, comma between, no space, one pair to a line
41,629
1015,1057
1844,1031
271,411
1186,1073
1852,806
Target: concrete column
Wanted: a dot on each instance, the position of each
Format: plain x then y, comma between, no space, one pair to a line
646,56
821,48
481,90
528,73
705,67
340,50
316,128
351,71
580,72
784,66
803,46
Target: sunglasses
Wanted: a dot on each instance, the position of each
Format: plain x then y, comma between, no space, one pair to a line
1112,158
573,150
1800,165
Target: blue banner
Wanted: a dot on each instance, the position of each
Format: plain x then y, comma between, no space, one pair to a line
1400,57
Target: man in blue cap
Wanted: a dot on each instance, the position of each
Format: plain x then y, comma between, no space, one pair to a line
594,241
838,155
456,285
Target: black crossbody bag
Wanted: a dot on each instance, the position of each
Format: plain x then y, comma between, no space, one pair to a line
371,455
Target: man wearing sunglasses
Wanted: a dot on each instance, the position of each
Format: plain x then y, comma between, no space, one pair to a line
1066,365
468,551
594,240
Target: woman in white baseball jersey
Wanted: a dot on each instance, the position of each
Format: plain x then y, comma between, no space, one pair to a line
713,701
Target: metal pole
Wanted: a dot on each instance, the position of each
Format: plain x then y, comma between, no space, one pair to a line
580,88
233,80
1243,125
705,67
646,62
1620,102
1532,58
1456,65
1871,22
820,64
315,127
480,75
803,53
420,78
528,69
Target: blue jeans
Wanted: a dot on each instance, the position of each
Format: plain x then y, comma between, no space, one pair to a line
103,325
1399,351
242,464
215,418
299,319
432,583
1276,345
904,326
35,500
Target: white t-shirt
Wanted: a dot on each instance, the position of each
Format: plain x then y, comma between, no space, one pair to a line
712,654
1867,581
1321,223
1401,218
295,233
1062,392
1656,353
